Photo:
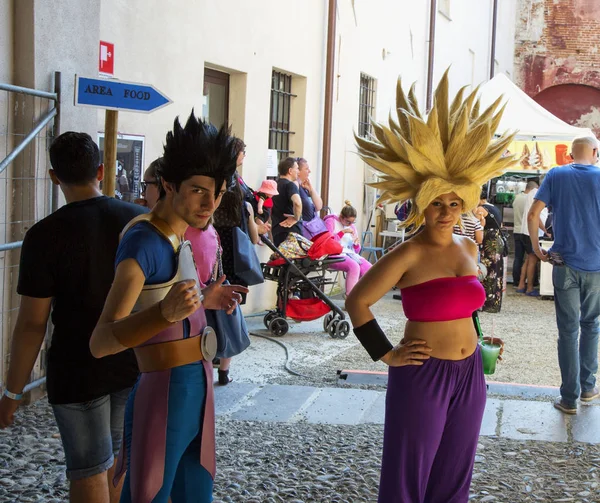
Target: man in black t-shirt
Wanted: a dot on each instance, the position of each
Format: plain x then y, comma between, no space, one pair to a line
287,205
67,262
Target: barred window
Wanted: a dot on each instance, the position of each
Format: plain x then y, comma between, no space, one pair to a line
366,107
281,99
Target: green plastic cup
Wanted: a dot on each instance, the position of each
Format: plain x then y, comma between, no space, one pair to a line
489,354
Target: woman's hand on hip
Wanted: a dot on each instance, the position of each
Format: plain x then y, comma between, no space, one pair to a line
412,352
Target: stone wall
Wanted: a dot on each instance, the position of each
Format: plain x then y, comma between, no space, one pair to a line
556,57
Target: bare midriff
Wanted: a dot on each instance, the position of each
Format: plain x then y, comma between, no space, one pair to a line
448,340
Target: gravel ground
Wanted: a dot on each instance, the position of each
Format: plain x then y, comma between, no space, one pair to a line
267,463
526,324
306,463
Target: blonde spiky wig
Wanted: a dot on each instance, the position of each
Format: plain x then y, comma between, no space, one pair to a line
452,150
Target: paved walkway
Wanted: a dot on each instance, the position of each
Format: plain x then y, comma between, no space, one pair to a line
519,419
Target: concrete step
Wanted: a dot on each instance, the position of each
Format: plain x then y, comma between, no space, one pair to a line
519,419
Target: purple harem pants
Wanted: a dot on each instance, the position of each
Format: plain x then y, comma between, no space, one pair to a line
433,415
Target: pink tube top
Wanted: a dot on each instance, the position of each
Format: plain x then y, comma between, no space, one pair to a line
443,299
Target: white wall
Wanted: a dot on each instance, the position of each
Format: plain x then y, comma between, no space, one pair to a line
65,38
505,38
467,29
382,38
401,29
365,33
170,50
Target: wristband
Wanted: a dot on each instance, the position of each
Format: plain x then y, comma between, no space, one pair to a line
12,396
373,339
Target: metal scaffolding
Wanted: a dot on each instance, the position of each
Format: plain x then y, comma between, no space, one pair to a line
28,123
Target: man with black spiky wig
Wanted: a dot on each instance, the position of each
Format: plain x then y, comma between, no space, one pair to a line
156,307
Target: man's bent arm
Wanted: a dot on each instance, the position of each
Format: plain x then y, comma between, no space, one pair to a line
124,292
533,225
27,340
118,329
297,202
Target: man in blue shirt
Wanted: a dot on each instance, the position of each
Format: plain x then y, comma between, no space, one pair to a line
573,191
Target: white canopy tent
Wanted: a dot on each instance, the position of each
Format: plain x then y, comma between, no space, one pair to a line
531,120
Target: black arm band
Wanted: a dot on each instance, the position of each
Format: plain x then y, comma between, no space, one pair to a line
373,339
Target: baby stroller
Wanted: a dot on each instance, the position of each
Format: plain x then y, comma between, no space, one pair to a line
300,293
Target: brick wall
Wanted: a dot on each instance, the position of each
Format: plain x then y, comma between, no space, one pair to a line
558,43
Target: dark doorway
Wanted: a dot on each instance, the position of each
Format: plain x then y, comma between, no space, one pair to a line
215,107
576,104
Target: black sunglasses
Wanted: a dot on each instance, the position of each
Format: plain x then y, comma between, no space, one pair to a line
144,185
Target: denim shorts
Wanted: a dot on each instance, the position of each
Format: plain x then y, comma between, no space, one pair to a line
91,433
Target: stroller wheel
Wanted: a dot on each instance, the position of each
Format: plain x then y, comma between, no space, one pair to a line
279,327
327,321
342,329
332,326
269,317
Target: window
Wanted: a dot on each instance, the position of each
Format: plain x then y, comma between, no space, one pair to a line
215,105
281,99
472,58
366,107
444,8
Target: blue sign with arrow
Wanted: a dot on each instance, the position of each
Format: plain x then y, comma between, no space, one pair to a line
118,95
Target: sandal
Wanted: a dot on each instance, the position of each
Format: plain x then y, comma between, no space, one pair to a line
224,377
216,362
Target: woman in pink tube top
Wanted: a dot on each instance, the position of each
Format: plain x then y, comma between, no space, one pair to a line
436,388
